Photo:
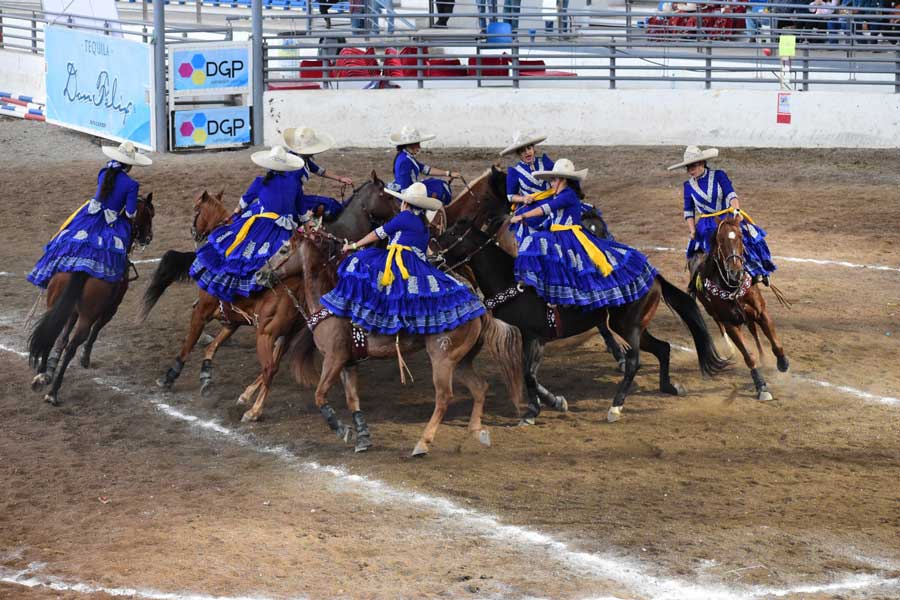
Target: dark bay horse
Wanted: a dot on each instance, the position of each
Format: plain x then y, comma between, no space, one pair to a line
522,307
78,307
451,352
368,207
727,292
484,205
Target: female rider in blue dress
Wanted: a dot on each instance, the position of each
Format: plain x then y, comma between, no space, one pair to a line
522,188
268,214
568,266
408,170
386,291
305,143
96,238
708,192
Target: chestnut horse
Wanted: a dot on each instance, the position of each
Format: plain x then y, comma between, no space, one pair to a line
727,292
78,307
451,352
368,206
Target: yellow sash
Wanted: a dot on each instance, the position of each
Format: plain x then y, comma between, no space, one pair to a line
69,220
395,255
727,210
593,251
539,196
245,229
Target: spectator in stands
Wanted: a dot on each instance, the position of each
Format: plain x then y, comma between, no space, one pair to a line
891,25
824,11
754,21
487,11
324,7
511,9
445,9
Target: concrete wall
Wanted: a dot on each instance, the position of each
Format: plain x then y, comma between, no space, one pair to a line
488,117
22,73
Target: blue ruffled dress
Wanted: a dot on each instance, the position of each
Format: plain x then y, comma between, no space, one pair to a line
224,267
332,208
96,238
407,171
558,267
426,301
711,193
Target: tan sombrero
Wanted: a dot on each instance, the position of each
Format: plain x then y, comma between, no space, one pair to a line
277,159
417,195
410,135
563,168
305,140
694,154
521,140
127,154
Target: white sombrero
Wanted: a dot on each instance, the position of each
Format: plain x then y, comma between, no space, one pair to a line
417,195
521,140
694,154
305,141
127,154
410,135
277,159
563,168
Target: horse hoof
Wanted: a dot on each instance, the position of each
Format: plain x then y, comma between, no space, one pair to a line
525,422
51,399
621,366
484,438
345,434
164,383
674,389
39,382
363,443
561,404
249,417
614,414
421,449
764,396
86,362
241,401
783,364
205,387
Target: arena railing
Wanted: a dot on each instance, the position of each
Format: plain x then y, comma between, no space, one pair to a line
22,28
707,47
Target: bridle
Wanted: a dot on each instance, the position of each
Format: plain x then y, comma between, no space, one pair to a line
721,260
440,259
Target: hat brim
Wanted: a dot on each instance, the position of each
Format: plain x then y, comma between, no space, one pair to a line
423,202
396,140
326,142
529,142
138,160
704,155
263,158
576,175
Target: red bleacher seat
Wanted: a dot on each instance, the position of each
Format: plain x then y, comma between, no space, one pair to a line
445,68
489,60
402,63
357,63
537,68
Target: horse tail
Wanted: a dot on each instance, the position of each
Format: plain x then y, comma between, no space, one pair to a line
687,310
174,266
302,356
504,342
48,328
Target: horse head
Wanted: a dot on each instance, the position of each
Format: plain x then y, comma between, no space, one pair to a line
728,250
378,205
305,254
482,200
142,227
209,213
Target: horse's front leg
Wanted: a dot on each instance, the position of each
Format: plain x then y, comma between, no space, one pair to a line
210,353
768,327
331,372
79,334
662,351
47,368
477,386
95,331
759,382
546,396
200,316
632,336
349,379
442,369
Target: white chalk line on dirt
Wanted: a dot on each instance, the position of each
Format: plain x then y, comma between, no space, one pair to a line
624,571
886,400
31,577
794,259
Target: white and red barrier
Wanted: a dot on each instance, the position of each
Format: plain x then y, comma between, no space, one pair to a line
21,106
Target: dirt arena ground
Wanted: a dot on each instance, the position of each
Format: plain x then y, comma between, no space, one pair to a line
125,491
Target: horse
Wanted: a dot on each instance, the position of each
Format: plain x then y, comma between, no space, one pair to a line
521,307
484,205
368,205
451,352
731,298
78,307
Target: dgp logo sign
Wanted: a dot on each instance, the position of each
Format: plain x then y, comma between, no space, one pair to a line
204,69
212,127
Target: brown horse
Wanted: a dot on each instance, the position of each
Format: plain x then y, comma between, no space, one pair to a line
451,352
78,307
367,206
726,291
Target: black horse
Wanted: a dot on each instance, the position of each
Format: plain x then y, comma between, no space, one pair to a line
522,307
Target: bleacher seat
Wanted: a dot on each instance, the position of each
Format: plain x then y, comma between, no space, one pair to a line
356,63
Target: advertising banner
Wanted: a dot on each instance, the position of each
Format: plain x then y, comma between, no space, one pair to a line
212,127
222,67
100,85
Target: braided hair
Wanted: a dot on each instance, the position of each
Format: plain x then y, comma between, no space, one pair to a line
113,168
